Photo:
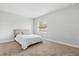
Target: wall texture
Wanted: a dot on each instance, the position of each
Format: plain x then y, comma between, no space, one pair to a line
63,25
9,21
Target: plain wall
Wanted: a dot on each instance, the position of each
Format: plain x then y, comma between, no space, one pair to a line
9,22
63,25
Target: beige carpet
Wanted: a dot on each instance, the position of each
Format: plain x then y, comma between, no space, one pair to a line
45,48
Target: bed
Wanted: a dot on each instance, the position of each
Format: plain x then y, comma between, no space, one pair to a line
24,38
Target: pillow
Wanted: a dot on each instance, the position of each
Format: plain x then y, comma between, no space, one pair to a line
20,33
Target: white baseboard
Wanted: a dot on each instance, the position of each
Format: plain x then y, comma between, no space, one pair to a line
4,41
60,42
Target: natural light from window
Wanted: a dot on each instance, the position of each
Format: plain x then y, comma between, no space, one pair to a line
42,26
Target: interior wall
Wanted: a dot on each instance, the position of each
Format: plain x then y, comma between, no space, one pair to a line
9,21
63,25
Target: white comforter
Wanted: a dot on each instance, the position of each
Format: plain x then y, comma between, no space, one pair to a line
26,40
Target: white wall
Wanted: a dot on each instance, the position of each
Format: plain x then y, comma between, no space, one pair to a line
63,25
9,21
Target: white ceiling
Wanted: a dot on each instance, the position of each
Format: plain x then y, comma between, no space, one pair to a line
32,10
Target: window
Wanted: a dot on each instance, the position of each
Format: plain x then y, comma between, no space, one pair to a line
42,26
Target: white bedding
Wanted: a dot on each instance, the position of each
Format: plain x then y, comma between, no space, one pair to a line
26,40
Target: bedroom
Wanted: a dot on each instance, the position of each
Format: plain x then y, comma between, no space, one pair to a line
53,25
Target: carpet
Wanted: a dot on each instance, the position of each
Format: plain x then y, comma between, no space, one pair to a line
44,48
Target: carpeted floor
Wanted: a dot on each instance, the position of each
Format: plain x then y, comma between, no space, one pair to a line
45,48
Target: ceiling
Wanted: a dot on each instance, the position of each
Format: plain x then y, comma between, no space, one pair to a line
32,10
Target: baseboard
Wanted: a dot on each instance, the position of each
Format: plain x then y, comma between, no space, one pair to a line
60,42
4,41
